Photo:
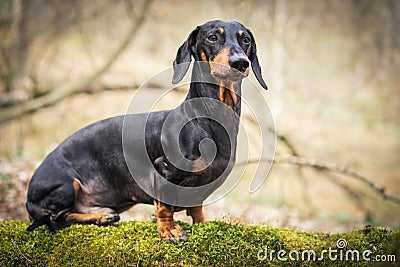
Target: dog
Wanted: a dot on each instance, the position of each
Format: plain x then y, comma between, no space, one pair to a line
88,179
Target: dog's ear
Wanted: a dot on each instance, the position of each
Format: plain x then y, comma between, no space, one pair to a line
255,65
183,56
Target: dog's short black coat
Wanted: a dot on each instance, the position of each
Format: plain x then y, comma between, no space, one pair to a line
86,178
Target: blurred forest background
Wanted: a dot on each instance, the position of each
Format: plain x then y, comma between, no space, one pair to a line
332,67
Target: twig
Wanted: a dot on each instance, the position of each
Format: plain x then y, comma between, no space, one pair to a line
285,140
108,87
330,167
20,252
357,199
324,166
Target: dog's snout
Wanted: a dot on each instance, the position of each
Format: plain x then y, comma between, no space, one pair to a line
239,63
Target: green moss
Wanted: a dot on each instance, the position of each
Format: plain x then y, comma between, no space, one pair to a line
210,244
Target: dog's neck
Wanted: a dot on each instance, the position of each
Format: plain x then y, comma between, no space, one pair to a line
204,85
223,118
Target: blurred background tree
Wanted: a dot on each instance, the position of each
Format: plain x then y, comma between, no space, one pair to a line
23,23
19,86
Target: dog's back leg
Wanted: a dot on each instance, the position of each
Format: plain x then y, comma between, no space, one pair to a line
84,214
56,206
48,200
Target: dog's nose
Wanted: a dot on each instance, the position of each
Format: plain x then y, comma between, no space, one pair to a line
239,63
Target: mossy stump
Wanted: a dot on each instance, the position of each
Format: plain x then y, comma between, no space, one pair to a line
210,244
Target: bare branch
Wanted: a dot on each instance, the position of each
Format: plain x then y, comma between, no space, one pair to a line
330,167
324,166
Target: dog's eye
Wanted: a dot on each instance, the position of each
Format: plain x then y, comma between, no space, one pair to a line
246,40
212,38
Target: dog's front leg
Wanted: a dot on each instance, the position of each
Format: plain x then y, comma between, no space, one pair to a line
196,213
166,227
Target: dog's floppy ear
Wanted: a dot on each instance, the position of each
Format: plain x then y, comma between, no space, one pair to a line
255,65
183,56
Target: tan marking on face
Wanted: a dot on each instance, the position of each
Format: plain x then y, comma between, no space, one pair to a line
220,63
222,57
240,33
203,56
220,67
220,30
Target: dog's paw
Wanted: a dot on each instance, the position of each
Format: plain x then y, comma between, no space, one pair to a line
107,218
172,232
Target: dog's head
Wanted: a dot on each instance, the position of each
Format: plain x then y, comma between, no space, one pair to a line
228,47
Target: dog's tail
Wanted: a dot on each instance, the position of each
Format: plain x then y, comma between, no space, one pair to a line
38,216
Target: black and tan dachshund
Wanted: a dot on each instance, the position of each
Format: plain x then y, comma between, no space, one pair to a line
86,179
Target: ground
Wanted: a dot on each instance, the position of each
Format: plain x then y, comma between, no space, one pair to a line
210,244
